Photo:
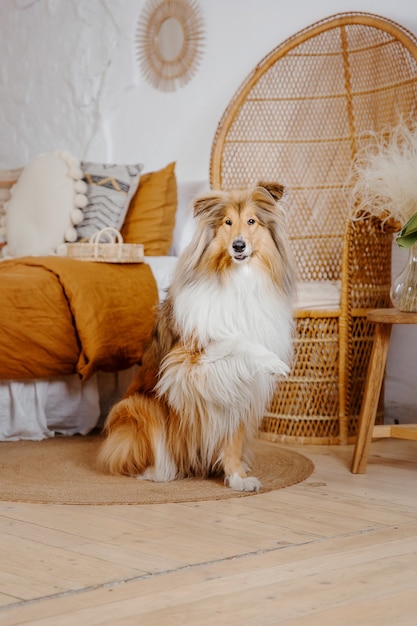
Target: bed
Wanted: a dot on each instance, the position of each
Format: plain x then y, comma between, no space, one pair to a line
72,331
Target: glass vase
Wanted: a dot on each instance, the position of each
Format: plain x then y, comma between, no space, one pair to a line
404,286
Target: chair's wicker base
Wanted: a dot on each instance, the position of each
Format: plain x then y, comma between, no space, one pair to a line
306,407
284,428
306,403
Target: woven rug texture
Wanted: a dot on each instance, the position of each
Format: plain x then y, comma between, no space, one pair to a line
62,470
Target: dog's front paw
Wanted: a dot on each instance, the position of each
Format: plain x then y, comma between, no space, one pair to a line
237,483
221,350
273,365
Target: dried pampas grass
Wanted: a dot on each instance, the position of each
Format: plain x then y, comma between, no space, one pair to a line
383,181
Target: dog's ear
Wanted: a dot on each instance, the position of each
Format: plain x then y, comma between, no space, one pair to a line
208,201
275,189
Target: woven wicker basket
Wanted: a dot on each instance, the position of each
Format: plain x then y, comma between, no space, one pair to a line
298,119
111,250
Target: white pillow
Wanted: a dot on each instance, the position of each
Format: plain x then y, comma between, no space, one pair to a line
184,218
45,205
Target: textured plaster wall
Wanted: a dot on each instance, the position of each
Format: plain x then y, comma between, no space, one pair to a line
65,64
69,80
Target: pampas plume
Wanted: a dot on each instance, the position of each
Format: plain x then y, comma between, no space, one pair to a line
383,180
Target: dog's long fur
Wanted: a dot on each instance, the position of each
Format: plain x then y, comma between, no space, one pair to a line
222,336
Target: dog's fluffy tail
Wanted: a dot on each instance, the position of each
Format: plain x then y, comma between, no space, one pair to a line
132,427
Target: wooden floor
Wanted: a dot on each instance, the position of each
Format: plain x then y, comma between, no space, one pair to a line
337,549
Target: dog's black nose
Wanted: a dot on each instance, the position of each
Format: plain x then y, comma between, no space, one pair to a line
239,245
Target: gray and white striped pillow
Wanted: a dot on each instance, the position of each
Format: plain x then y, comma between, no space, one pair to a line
110,188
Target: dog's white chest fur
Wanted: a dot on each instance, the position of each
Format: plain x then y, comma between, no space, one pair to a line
247,304
243,331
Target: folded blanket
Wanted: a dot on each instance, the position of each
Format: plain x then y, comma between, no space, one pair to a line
61,316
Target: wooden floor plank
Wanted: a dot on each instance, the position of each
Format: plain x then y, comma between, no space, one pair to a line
6,599
322,582
61,569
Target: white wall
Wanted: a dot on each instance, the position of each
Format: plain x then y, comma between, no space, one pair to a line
69,77
69,80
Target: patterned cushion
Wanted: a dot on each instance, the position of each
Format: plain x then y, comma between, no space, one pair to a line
110,188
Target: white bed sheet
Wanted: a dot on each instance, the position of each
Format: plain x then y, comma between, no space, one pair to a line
38,409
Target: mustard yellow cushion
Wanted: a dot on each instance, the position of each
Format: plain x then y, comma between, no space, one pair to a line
150,219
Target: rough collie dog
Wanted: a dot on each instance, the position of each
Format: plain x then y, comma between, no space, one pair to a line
222,336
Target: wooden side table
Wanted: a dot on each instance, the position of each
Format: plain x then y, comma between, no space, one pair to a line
383,319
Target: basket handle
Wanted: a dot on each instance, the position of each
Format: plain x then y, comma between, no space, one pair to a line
112,235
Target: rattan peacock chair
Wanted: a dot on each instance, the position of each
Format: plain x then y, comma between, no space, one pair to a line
298,119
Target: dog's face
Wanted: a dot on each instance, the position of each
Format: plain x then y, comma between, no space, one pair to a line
243,227
240,235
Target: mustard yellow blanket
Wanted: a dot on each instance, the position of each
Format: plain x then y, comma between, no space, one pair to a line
61,316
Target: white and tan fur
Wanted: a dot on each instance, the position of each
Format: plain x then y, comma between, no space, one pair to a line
222,336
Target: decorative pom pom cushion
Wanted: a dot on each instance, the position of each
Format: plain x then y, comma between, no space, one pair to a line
45,206
8,178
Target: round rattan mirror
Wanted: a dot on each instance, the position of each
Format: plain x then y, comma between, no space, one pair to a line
169,42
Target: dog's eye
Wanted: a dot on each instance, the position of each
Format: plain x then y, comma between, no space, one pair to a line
228,222
251,221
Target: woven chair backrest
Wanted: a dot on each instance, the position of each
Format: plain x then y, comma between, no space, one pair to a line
301,116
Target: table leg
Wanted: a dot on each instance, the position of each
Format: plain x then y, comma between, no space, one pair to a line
371,395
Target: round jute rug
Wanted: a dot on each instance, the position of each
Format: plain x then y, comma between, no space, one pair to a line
62,470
